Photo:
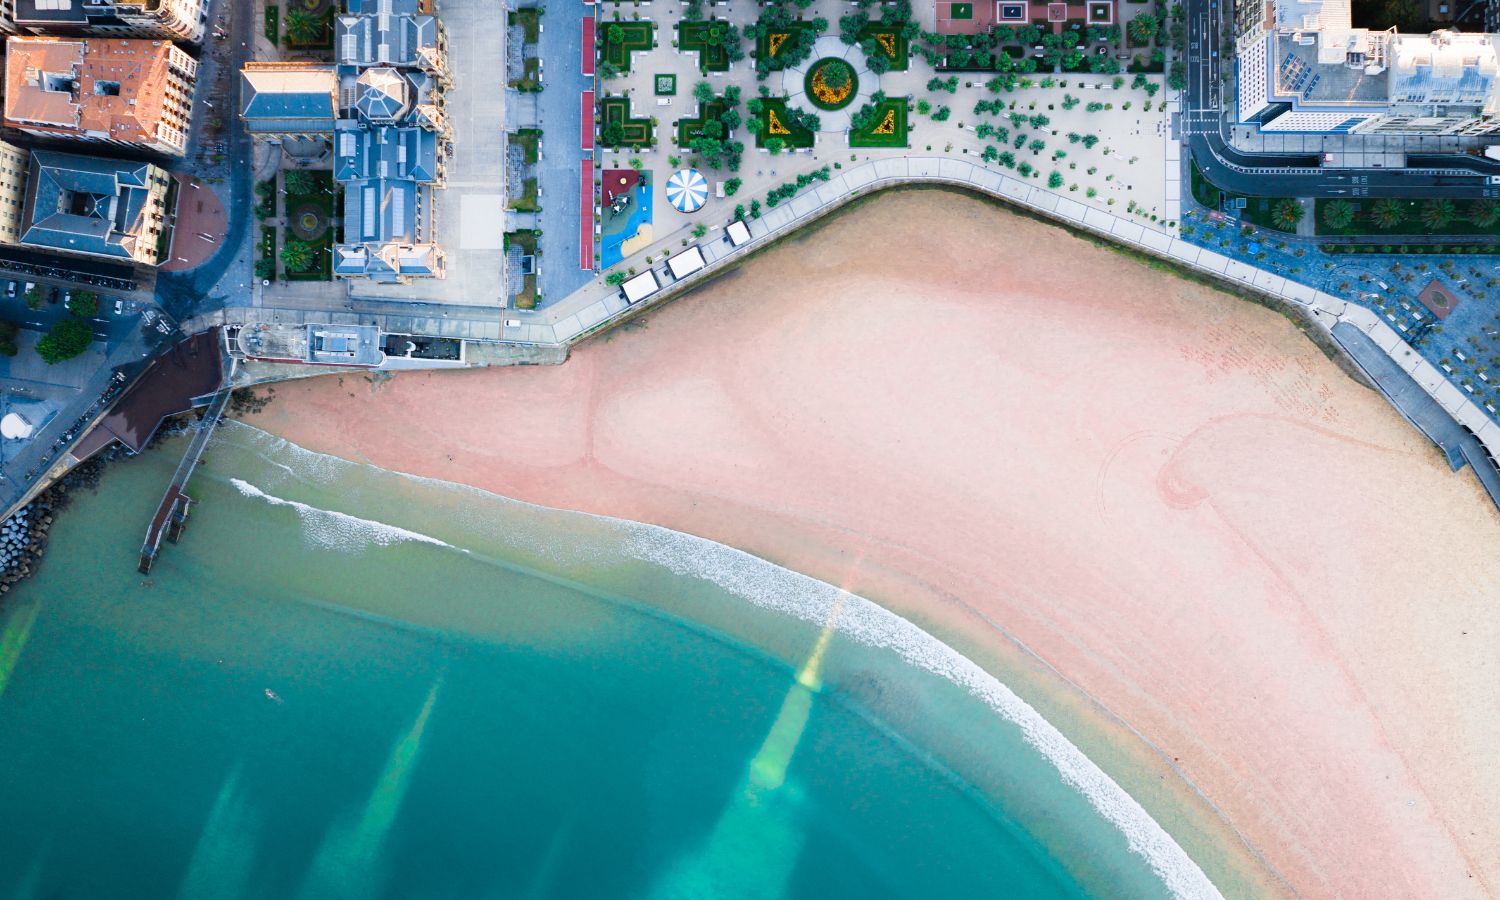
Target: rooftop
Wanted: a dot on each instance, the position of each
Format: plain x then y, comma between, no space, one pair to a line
286,97
107,87
87,204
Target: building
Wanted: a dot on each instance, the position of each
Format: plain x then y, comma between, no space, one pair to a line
130,93
182,20
12,191
1302,68
381,105
283,101
94,206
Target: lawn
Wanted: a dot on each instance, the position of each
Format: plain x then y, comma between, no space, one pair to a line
527,241
1410,223
530,21
768,45
273,24
623,38
268,251
713,56
887,129
529,140
309,215
779,123
531,76
889,40
527,202
619,129
688,128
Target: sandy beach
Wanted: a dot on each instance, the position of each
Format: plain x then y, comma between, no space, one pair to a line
1006,434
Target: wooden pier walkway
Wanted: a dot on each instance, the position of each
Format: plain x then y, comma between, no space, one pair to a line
171,515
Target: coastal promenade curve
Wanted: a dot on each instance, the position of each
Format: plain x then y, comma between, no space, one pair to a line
598,307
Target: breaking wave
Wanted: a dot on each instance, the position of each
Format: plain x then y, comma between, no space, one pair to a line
771,587
333,530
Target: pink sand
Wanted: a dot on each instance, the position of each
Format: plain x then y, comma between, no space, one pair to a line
1167,494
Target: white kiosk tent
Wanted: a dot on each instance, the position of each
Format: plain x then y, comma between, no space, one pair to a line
686,263
738,233
640,287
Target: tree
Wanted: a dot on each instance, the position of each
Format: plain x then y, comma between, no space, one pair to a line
615,279
775,145
1338,214
67,339
703,92
265,269
731,186
1438,214
1055,180
8,332
1143,28
1484,213
699,230
84,304
34,297
302,27
1287,213
1387,213
297,256
298,181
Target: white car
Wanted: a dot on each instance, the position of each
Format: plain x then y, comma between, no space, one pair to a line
119,307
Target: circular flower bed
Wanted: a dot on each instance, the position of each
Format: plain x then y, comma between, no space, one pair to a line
831,83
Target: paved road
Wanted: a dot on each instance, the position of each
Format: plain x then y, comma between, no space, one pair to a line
183,294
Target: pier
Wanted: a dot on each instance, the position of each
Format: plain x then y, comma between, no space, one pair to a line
172,514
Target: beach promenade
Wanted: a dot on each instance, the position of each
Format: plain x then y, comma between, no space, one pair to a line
598,307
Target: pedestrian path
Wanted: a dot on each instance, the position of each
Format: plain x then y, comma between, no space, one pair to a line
596,305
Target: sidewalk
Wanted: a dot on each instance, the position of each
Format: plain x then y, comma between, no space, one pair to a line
595,307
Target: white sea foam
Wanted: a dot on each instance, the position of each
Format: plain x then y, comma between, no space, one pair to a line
333,530
773,587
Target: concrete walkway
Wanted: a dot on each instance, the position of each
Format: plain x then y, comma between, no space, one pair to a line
597,306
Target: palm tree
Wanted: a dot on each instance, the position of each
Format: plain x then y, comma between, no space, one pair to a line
302,27
1484,213
1338,214
296,256
1387,213
1287,213
297,181
1436,214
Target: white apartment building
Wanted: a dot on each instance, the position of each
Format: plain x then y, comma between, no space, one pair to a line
1302,67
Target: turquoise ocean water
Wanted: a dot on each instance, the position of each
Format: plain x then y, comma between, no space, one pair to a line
346,682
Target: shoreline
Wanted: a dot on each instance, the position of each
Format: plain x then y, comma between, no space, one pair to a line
765,585
744,419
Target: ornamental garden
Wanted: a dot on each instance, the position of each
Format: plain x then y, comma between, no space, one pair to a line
747,94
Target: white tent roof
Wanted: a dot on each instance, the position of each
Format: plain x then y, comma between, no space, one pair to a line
686,263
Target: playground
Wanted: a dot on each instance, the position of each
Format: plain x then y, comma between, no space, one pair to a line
626,200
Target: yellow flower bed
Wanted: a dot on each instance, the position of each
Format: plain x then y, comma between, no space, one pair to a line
773,124
827,95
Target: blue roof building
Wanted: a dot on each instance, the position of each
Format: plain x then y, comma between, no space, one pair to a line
95,206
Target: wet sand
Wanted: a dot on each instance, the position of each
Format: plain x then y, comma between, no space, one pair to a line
1168,495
